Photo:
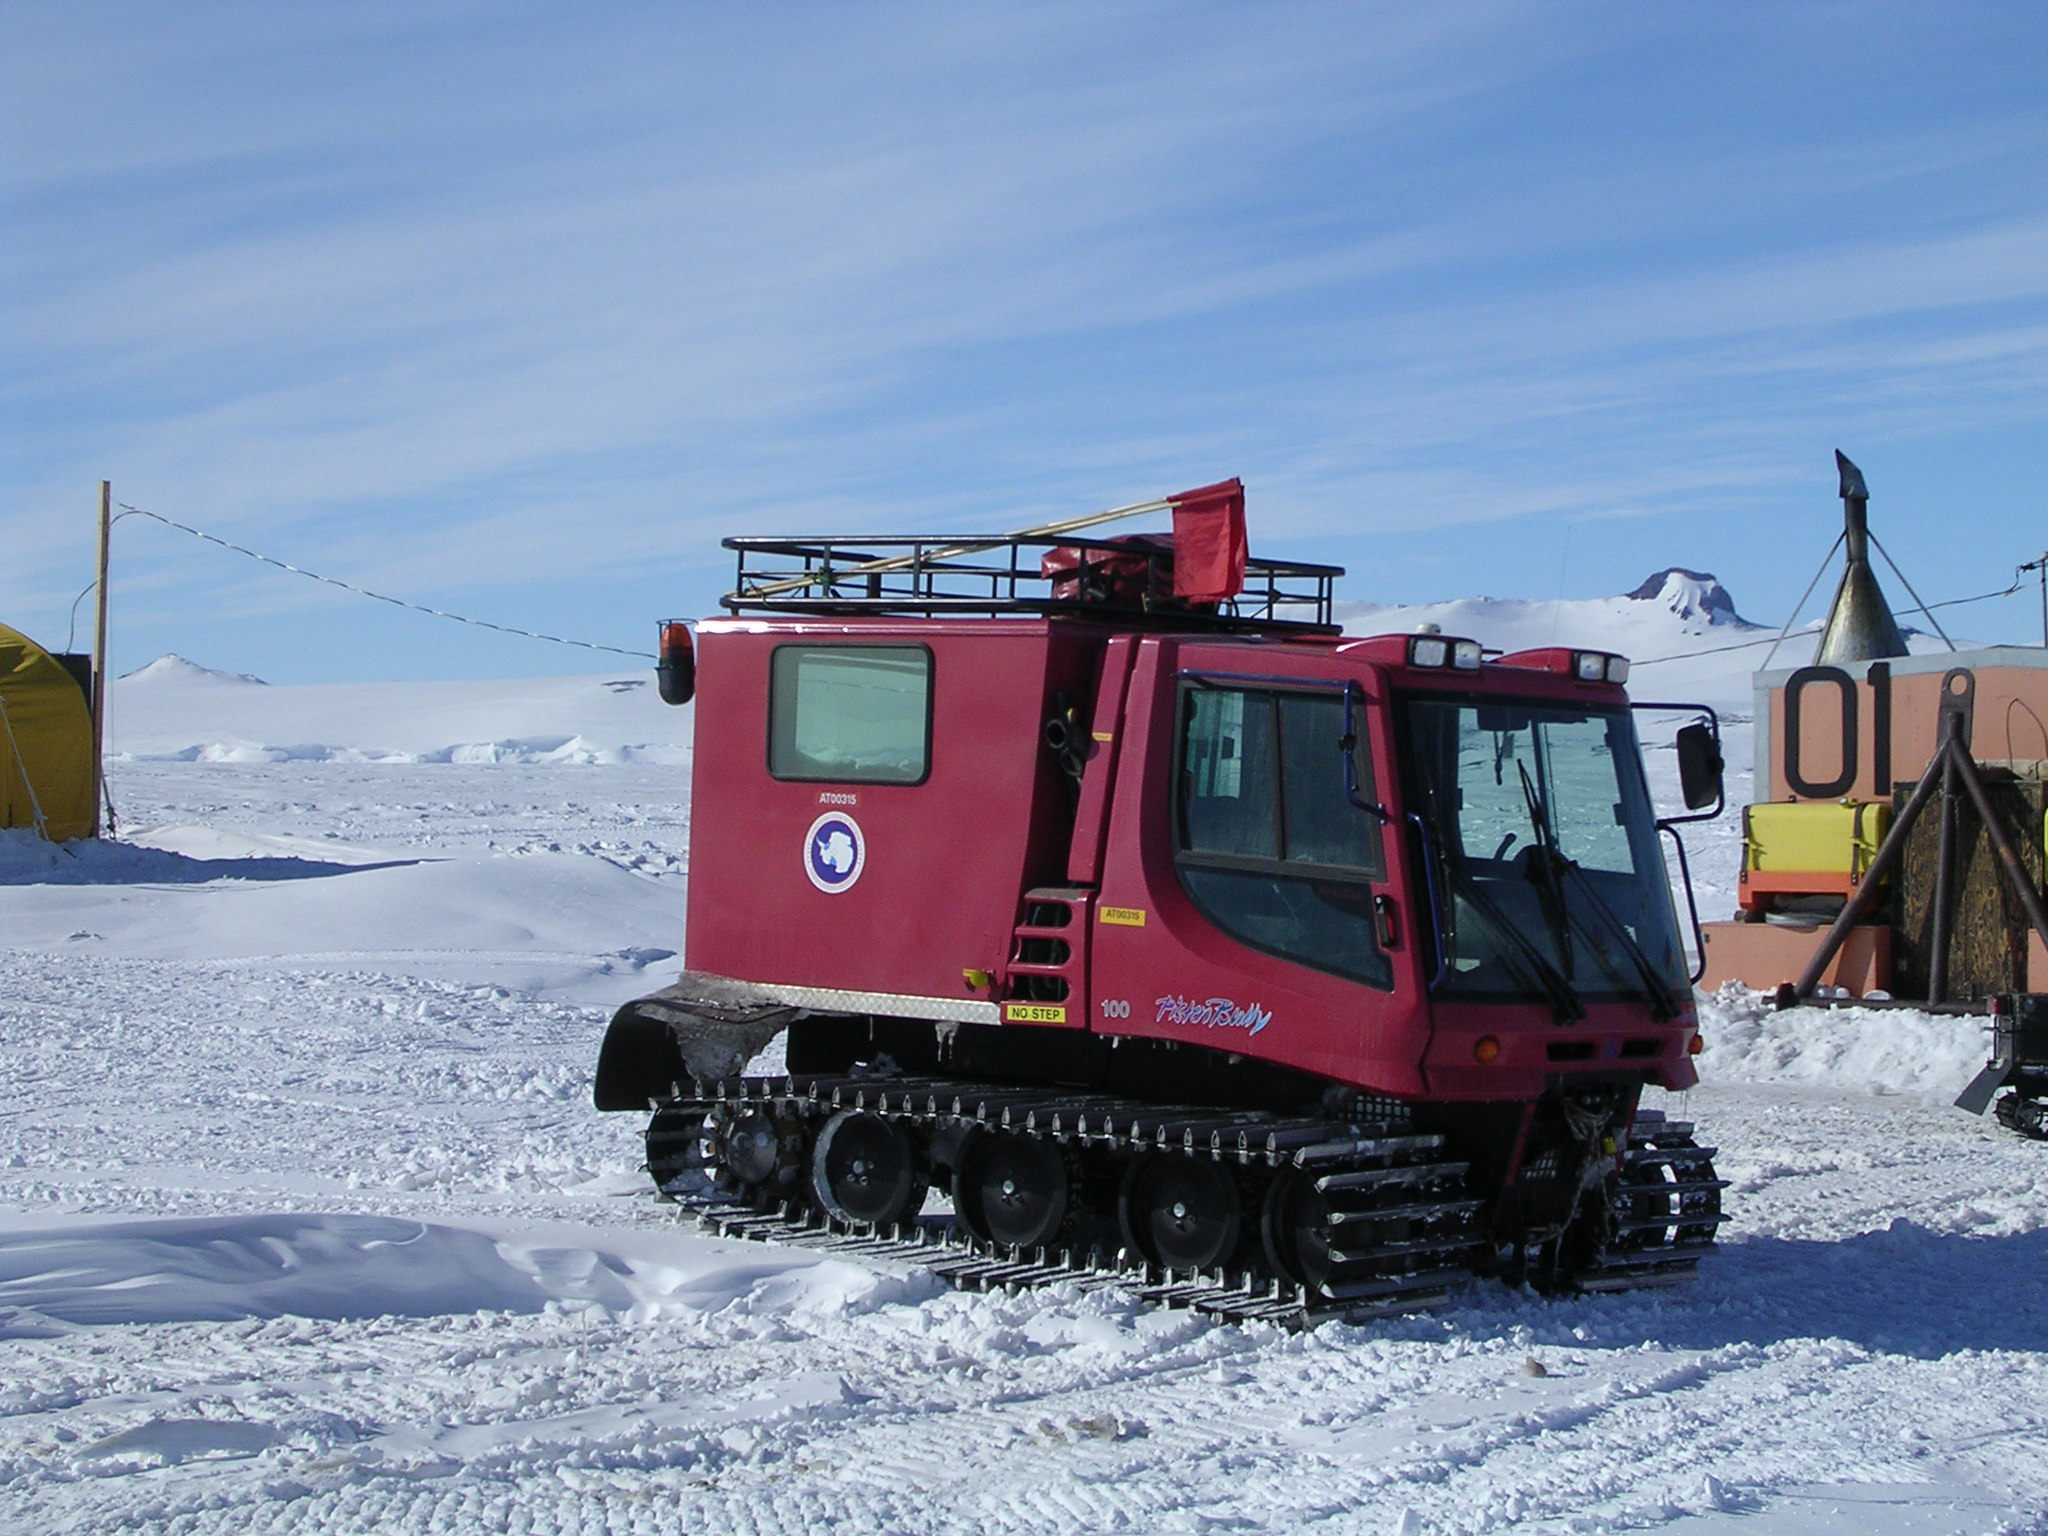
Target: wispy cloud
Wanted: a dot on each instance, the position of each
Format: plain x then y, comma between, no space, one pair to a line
503,303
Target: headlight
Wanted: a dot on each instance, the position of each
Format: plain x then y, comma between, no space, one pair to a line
1589,666
1617,669
1465,654
1428,651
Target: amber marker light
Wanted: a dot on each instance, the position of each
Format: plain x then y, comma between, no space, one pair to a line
1487,1051
1695,1045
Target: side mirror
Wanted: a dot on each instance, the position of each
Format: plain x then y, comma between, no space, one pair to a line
1699,765
675,671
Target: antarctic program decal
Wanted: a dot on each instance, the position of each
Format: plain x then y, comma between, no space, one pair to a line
835,852
1214,1013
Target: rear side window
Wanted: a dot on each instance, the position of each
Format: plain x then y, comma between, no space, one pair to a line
850,714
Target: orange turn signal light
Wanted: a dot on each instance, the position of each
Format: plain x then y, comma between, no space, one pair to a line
1695,1045
1487,1051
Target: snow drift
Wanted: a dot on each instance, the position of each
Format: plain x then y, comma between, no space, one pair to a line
176,710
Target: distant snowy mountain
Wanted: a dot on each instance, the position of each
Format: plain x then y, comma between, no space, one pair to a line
1680,628
1674,609
174,668
1691,594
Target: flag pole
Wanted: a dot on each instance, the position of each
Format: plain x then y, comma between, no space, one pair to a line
902,562
99,663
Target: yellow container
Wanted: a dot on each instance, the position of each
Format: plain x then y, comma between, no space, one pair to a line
1809,848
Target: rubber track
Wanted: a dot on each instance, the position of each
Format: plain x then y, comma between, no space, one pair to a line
1663,1211
2025,1114
1367,1170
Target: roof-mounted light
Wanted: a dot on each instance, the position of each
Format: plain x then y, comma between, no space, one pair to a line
1562,661
1430,650
1599,667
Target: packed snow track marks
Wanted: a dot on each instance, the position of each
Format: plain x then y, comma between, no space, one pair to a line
255,1288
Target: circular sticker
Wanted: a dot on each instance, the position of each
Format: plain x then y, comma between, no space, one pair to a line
834,852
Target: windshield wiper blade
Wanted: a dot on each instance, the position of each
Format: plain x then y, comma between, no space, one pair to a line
1656,988
1563,997
1548,887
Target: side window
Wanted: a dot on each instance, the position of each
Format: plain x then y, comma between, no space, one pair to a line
1272,851
1323,826
852,714
1228,803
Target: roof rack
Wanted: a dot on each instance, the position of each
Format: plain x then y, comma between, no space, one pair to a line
1124,581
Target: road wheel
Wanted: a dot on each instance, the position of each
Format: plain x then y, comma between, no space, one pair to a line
1294,1230
1013,1191
1181,1212
865,1168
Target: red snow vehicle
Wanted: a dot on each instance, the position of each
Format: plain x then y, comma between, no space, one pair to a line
1179,940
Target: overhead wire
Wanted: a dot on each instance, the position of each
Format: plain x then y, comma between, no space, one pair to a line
349,586
71,632
1830,555
529,634
1906,582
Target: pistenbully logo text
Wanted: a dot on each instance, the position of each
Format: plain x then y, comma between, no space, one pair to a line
1214,1013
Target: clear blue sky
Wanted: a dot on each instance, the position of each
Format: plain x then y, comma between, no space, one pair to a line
517,309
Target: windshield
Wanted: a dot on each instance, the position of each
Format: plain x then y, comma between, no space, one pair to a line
1550,879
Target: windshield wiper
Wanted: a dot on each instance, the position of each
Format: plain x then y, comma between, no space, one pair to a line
1547,855
1564,1000
1655,987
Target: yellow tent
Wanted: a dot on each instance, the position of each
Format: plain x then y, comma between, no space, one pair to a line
46,775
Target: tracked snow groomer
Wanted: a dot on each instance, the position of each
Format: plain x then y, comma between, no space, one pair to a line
1105,887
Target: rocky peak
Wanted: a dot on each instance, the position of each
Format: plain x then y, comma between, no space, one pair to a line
1690,594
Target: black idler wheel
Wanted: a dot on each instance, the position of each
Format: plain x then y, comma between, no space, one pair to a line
759,1154
866,1168
1013,1191
1294,1230
1181,1212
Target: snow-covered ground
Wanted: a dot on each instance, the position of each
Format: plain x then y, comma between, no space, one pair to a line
306,1222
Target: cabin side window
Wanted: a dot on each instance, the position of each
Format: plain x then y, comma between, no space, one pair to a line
850,714
1270,847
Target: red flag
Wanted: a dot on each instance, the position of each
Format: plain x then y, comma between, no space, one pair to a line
1208,542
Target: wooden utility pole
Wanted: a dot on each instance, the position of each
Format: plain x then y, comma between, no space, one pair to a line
99,664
